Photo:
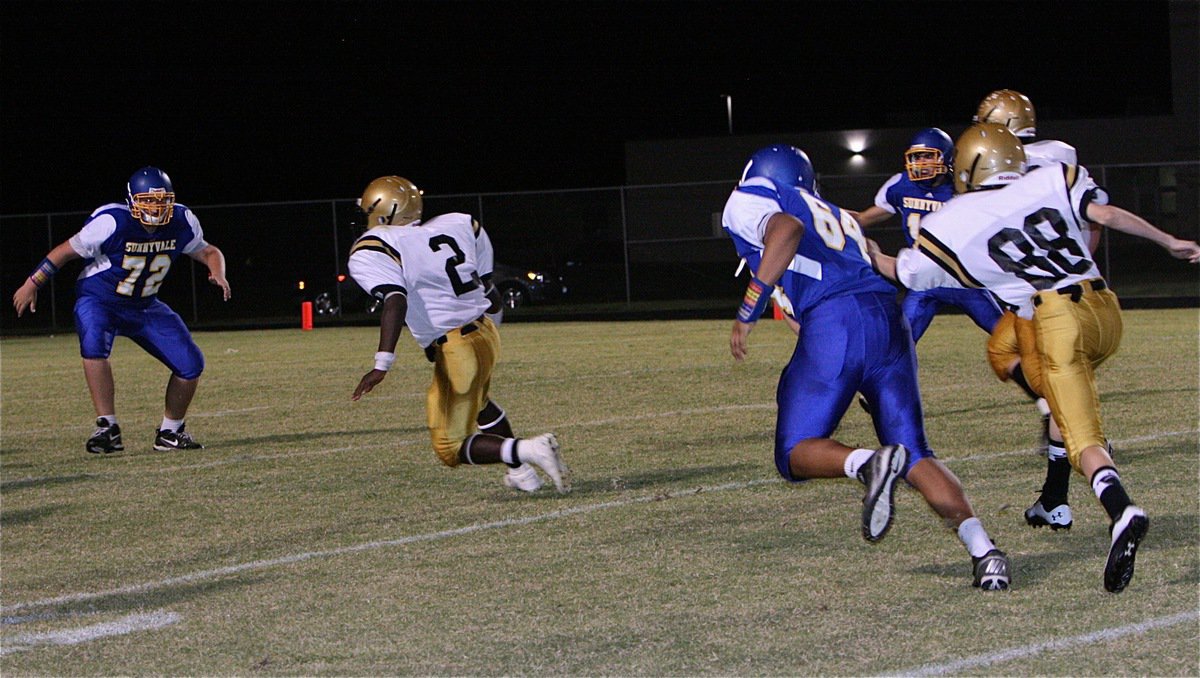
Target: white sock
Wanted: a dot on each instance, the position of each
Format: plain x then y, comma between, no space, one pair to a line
110,418
1043,406
855,460
975,538
506,450
172,425
1055,451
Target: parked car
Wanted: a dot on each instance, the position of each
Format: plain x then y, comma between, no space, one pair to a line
521,286
518,287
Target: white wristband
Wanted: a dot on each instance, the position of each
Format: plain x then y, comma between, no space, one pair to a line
384,360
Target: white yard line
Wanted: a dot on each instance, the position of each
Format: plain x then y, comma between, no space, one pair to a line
433,536
206,575
160,619
84,427
965,664
660,415
123,626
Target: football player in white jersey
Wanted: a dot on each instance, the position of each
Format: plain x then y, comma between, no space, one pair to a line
1020,235
1016,112
435,277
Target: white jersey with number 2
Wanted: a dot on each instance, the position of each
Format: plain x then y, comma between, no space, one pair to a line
437,264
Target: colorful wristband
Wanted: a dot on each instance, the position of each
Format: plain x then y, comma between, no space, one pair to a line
758,294
42,274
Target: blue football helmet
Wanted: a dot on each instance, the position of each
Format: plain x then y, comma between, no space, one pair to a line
930,155
151,196
785,165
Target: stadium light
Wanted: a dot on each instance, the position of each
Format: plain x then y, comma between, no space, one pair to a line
857,141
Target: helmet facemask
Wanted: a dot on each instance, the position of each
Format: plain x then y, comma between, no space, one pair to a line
152,208
923,163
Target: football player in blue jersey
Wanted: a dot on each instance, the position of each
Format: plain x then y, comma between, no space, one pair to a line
923,187
128,250
852,339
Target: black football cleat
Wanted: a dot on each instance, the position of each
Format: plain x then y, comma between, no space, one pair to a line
992,571
1127,533
880,474
106,439
175,440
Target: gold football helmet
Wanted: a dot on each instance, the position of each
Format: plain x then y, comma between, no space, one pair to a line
1009,108
987,154
391,201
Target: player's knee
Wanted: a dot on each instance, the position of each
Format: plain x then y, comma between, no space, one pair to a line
191,369
1002,362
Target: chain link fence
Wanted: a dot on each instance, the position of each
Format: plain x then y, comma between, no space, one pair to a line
611,249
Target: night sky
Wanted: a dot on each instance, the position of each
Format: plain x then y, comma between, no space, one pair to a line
244,102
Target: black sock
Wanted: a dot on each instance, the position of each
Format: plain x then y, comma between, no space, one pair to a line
1058,479
493,420
1112,494
1019,377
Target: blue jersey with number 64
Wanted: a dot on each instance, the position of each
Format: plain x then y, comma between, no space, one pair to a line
832,257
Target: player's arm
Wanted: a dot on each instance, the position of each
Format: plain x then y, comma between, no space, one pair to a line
911,268
885,264
391,324
485,254
872,216
26,295
780,242
376,267
214,259
1125,221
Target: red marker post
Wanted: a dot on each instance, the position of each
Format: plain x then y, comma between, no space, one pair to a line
306,311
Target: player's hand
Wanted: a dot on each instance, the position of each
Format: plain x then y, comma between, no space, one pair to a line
873,249
25,298
737,339
1185,249
221,282
369,381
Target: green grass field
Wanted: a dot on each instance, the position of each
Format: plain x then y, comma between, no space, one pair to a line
316,536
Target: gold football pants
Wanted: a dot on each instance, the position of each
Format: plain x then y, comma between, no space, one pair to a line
1004,347
462,372
1075,334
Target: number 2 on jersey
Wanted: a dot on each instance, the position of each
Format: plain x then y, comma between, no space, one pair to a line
460,286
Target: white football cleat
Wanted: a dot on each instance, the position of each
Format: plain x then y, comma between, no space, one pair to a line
523,478
1058,517
542,452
